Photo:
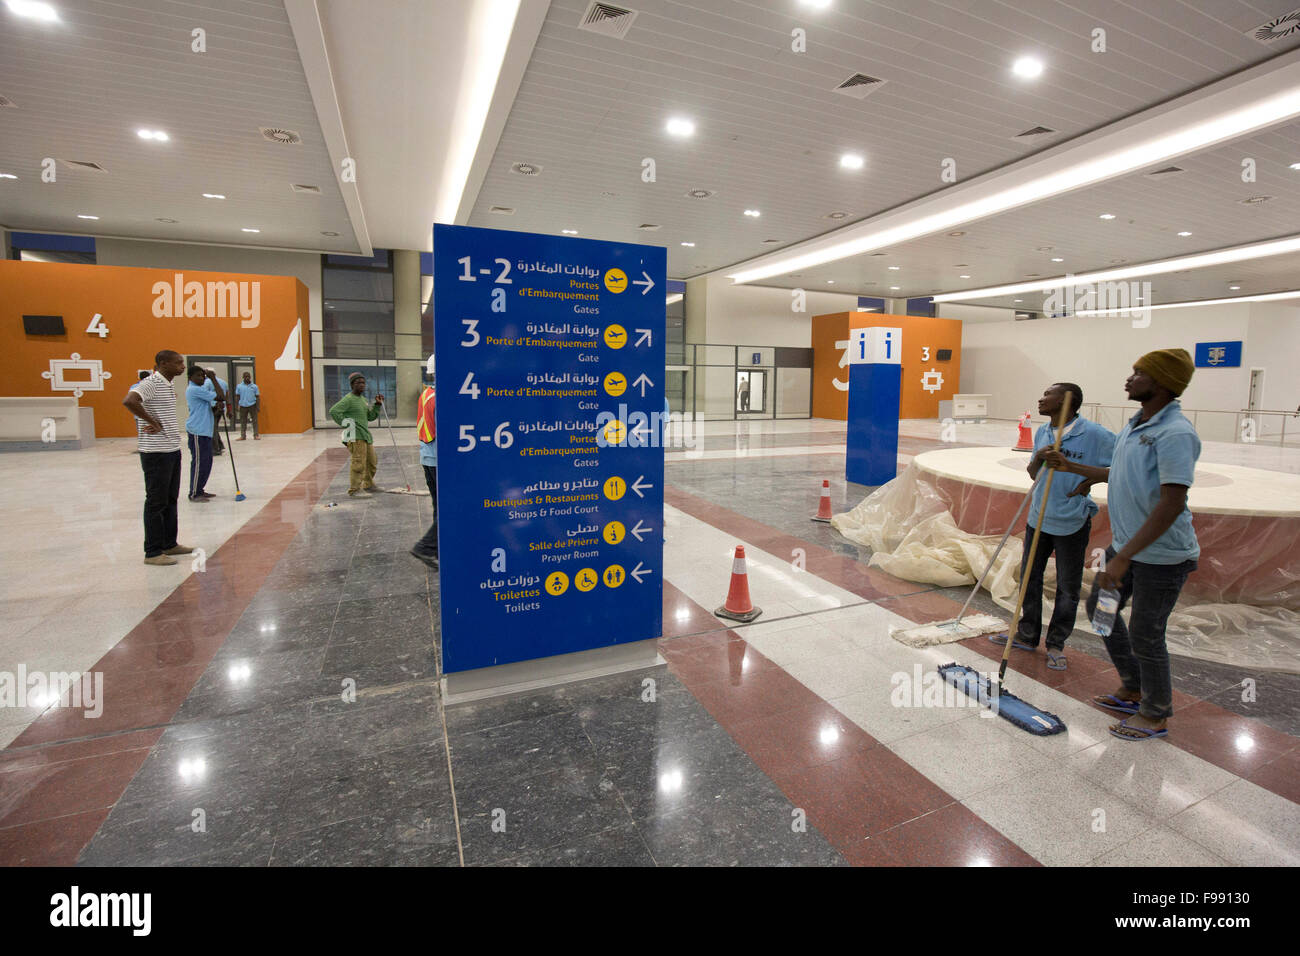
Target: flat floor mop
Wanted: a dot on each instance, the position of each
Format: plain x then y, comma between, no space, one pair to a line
239,495
995,695
957,629
396,491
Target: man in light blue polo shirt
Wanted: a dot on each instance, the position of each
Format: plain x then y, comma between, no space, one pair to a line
1153,545
201,400
1066,525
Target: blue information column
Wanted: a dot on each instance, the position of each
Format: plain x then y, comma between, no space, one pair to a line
550,366
875,381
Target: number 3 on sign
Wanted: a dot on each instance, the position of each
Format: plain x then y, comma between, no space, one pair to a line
97,327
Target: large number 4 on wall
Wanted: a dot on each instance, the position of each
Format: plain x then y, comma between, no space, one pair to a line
97,327
291,358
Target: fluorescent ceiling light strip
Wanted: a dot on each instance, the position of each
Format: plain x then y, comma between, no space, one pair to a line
1234,123
491,24
674,297
1268,297
1259,250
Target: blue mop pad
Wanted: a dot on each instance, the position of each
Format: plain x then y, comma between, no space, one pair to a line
1025,716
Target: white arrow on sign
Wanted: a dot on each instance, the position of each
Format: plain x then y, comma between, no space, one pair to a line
638,530
649,283
637,486
641,382
645,337
638,571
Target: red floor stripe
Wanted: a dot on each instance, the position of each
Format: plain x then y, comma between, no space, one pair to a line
63,774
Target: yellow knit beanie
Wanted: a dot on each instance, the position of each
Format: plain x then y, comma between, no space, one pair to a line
1171,368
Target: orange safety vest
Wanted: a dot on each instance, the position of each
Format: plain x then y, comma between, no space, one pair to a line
426,425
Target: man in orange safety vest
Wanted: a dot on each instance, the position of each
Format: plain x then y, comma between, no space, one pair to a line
426,429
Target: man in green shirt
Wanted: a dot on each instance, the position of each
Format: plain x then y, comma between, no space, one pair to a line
352,412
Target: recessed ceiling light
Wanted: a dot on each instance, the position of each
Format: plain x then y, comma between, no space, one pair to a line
569,232
246,229
1184,234
851,161
329,234
679,126
79,216
154,134
957,232
213,196
894,288
1106,215
753,213
963,276
1027,67
1057,259
33,9
7,176
1018,300
1234,288
1295,165
816,4
836,215
894,268
689,245
830,281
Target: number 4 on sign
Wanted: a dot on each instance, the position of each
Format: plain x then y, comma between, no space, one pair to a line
97,327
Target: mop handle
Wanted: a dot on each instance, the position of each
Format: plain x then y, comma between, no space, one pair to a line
383,407
1006,534
230,451
1033,547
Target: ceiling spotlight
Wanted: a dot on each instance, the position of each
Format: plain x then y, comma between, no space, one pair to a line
154,134
689,245
894,268
963,276
677,126
1018,300
1295,166
569,232
79,216
1027,67
213,196
830,281
33,10
1184,234
7,176
753,213
246,229
1057,259
816,4
894,288
958,232
1234,288
1106,215
851,161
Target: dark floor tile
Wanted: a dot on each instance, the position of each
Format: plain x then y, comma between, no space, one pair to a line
476,716
402,836
620,846
521,749
387,661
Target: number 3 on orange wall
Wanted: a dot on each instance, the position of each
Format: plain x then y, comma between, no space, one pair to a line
291,358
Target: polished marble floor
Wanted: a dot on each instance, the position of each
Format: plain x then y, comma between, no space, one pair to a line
224,738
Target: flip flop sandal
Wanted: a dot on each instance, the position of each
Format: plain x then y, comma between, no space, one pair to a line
1118,704
1001,641
1143,733
1056,660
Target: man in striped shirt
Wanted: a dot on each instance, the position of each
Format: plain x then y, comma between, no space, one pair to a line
152,401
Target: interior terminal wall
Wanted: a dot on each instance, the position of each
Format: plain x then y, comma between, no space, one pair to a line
303,266
1014,361
750,313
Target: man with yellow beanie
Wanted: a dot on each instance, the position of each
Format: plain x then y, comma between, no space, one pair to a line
1153,546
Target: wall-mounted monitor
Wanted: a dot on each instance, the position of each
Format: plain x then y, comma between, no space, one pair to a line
43,324
944,355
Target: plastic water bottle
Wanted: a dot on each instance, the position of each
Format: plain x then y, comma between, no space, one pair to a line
1103,618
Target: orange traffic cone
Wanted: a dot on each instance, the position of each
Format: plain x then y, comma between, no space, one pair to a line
738,606
1026,440
824,509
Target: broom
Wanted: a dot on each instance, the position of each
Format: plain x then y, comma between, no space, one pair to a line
994,695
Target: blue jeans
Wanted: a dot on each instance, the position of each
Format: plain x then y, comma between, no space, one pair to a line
428,545
200,462
1138,649
1070,551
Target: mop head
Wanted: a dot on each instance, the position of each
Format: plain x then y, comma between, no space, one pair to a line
1004,704
407,491
945,632
239,497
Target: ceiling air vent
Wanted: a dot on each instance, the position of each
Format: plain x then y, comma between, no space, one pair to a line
860,86
503,210
1033,131
607,20
285,137
300,188
1284,26
699,193
525,169
83,164
648,226
1166,171
1254,200
6,101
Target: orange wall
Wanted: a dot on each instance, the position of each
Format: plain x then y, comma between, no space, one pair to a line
127,301
831,401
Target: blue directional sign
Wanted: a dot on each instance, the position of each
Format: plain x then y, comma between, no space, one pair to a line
550,366
1218,354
